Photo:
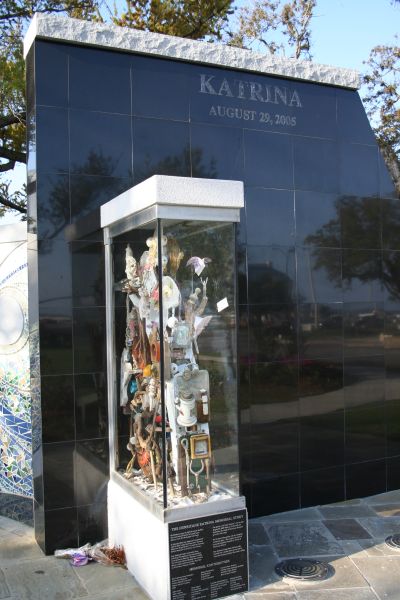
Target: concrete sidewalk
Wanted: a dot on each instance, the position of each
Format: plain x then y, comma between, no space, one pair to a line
350,536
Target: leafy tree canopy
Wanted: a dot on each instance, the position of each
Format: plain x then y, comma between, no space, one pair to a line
276,26
357,219
273,25
196,19
13,17
382,101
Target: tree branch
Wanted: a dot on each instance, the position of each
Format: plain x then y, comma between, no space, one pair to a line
27,14
12,155
7,202
199,26
8,166
12,119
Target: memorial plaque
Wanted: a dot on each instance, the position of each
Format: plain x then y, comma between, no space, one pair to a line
208,556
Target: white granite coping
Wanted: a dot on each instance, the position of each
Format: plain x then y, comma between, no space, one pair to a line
173,191
100,35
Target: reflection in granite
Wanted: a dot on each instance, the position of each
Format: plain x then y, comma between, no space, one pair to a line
364,381
100,144
149,76
104,85
314,275
363,329
91,416
52,151
345,511
257,534
319,486
90,191
320,329
262,573
366,478
323,430
303,514
216,152
353,124
91,463
261,148
361,222
92,523
87,261
346,529
365,433
170,156
305,539
55,326
380,528
273,330
61,529
315,165
388,510
318,269
58,475
53,211
271,274
317,219
358,168
272,495
274,207
57,416
89,330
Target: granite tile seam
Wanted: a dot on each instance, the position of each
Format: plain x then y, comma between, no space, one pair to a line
100,35
370,584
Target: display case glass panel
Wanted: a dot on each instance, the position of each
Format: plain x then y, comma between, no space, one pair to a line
174,332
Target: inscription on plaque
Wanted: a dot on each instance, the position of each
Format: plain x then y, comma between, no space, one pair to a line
208,557
252,97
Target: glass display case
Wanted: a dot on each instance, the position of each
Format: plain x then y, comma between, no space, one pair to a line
171,319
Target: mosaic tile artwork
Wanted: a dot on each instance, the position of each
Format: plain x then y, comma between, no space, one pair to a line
36,411
15,397
17,508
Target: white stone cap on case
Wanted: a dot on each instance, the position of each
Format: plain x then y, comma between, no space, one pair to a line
100,35
166,190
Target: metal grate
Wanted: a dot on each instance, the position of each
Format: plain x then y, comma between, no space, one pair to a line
393,541
304,568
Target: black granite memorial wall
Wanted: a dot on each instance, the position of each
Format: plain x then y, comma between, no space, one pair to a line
318,272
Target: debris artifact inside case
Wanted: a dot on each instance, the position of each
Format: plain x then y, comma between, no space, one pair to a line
175,343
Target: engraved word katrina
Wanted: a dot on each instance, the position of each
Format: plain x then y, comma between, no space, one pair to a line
253,91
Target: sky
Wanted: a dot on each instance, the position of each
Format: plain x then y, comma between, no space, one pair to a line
343,33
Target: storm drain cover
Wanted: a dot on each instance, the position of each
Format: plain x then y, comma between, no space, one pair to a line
393,541
304,568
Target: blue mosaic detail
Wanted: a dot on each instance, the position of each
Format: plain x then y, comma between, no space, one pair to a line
15,432
16,508
36,414
15,396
